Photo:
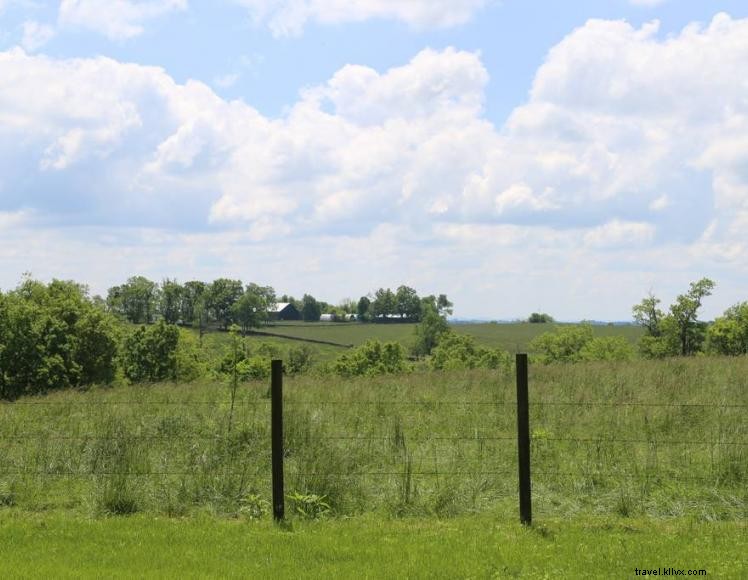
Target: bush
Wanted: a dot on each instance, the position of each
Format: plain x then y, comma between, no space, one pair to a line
150,353
459,351
52,337
299,360
563,345
607,348
371,358
728,334
255,367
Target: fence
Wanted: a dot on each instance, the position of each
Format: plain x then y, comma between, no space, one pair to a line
405,447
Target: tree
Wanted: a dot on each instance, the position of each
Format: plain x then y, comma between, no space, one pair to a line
647,314
384,304
429,332
563,345
728,335
171,300
253,307
136,300
310,309
685,311
221,296
149,353
407,303
362,309
540,318
440,304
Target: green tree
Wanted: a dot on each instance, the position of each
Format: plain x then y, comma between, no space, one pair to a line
310,308
362,309
685,312
136,300
149,354
171,300
540,318
728,335
459,351
384,305
648,315
407,304
429,331
565,344
371,358
221,296
253,307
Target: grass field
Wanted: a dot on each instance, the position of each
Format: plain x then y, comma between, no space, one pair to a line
477,546
664,438
512,337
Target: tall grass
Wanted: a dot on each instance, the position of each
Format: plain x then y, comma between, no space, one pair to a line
423,443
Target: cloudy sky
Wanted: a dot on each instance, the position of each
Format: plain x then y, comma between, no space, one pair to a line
519,155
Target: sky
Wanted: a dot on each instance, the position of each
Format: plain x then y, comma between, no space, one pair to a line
517,155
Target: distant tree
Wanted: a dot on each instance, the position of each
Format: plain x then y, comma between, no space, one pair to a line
440,304
407,303
429,331
540,318
136,300
222,294
648,315
253,307
362,309
310,309
171,300
192,292
384,304
685,312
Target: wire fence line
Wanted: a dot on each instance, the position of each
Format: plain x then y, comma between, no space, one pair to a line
411,434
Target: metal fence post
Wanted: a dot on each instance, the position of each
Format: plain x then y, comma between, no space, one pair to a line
523,441
276,436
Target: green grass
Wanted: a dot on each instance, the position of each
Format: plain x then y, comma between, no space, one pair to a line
428,444
484,546
512,337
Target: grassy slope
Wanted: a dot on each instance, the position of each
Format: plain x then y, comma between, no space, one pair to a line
512,337
57,546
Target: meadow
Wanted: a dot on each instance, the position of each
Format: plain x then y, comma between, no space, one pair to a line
511,337
636,462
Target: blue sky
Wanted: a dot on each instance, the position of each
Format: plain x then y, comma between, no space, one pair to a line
519,156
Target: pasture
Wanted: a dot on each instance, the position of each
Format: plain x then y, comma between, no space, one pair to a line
634,464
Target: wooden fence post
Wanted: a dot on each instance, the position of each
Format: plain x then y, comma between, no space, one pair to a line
523,441
276,436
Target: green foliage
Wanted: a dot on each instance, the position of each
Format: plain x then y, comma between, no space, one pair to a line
540,318
728,335
171,300
611,348
428,333
407,304
371,358
253,368
149,354
565,344
362,309
191,361
299,359
254,507
136,300
648,315
685,310
252,309
53,337
221,296
309,506
459,351
311,310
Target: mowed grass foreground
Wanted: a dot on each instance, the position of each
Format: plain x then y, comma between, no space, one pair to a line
477,546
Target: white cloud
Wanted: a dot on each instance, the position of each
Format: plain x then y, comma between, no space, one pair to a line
288,17
116,19
629,156
36,35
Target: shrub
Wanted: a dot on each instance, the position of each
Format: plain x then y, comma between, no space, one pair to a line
299,360
459,351
149,353
563,345
607,348
254,367
371,358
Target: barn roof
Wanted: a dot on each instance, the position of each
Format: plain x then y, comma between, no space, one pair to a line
280,306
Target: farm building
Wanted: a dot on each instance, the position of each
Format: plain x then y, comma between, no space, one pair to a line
284,311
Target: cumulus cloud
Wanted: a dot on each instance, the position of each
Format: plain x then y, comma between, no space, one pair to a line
288,17
630,149
116,19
